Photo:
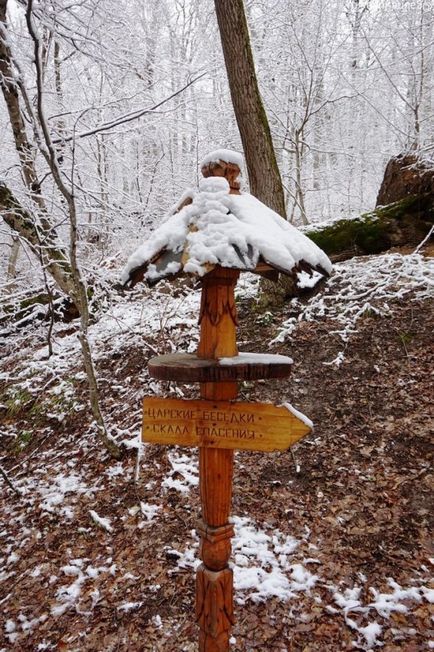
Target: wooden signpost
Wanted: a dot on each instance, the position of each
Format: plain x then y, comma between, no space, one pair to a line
218,425
221,424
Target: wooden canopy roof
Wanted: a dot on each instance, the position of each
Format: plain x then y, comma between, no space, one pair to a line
167,257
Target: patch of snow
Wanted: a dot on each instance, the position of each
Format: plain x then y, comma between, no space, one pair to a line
302,579
263,567
132,443
299,415
129,606
384,604
305,280
149,511
428,594
370,633
186,559
10,630
157,621
265,571
28,625
115,470
104,523
349,599
337,361
184,466
61,485
256,358
68,596
13,557
71,571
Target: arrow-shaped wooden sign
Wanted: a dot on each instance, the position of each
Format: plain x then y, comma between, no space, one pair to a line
222,424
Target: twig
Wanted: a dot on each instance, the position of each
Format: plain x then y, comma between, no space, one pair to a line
9,482
138,460
294,459
424,241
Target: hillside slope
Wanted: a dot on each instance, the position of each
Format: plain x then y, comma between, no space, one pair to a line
331,546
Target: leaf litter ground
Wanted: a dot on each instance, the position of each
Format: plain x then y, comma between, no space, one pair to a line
332,542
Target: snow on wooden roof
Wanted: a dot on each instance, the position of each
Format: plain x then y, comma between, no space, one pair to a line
218,225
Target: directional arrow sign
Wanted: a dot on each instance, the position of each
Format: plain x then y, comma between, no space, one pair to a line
222,424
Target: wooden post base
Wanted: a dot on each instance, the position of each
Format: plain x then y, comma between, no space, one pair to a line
214,608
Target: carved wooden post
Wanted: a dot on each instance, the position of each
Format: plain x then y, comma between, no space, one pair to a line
214,588
204,423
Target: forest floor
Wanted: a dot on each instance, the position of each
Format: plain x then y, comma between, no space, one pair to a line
331,551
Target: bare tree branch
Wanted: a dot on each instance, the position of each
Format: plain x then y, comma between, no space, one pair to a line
129,117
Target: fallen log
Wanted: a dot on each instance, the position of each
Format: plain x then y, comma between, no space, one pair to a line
404,213
404,216
36,305
403,222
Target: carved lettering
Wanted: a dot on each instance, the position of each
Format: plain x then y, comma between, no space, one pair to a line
215,424
170,429
226,417
206,431
169,413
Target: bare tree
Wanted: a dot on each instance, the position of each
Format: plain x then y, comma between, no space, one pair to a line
35,229
66,271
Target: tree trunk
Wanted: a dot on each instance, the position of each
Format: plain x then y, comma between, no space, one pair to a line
40,240
12,264
8,85
264,176
37,232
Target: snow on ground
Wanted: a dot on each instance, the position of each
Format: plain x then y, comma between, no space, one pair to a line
59,493
384,604
266,566
364,287
184,473
158,322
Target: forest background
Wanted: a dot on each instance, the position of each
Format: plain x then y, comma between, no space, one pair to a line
345,86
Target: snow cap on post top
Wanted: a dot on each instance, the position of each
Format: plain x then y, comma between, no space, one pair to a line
217,225
223,163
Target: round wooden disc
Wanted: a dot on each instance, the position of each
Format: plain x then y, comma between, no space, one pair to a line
188,368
